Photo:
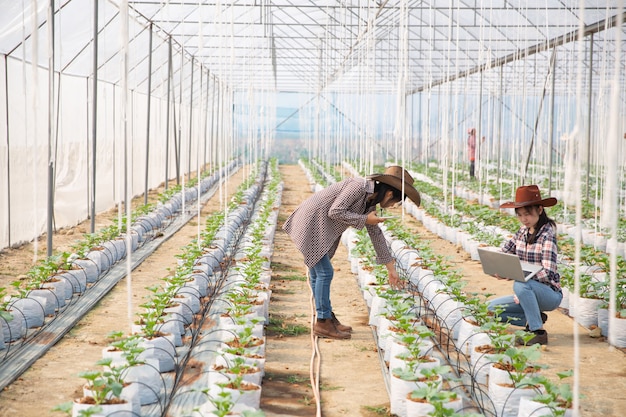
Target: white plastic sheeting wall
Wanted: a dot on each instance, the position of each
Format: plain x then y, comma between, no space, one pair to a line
24,150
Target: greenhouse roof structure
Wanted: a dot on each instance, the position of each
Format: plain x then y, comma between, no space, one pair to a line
312,46
105,103
101,98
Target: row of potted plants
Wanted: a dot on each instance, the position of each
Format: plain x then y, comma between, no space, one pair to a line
58,281
473,225
592,233
227,389
236,343
168,333
237,368
497,182
492,338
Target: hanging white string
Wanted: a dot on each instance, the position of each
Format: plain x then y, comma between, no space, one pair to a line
126,154
612,190
181,142
406,131
578,137
34,112
202,121
453,128
399,131
445,122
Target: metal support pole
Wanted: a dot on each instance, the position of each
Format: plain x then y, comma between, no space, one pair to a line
499,148
220,119
178,130
190,123
479,130
552,124
205,119
213,129
169,111
8,155
50,217
145,191
94,119
589,94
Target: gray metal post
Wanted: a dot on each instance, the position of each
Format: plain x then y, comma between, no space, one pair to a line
499,148
220,118
145,191
589,107
206,117
190,123
94,119
551,123
213,128
180,117
8,156
50,217
479,130
169,114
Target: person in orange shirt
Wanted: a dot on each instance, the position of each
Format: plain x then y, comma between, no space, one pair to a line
471,149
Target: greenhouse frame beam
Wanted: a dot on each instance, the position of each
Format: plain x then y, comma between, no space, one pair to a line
541,47
336,25
96,34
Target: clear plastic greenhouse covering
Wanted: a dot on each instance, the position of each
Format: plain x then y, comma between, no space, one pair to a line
101,100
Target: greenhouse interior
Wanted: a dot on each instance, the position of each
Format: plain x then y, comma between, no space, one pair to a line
203,142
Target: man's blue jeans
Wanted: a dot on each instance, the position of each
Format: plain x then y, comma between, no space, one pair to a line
321,274
534,297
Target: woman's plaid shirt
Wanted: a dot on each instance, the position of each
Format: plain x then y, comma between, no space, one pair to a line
543,252
317,224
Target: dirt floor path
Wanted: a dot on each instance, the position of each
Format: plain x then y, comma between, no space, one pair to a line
355,387
350,376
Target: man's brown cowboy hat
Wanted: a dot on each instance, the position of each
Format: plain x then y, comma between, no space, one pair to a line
395,176
529,195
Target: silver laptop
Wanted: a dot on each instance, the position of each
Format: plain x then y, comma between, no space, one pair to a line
506,265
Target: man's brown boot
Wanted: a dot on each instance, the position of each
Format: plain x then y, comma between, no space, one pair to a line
341,327
326,328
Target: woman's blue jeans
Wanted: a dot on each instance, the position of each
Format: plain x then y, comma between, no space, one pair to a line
534,297
321,274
